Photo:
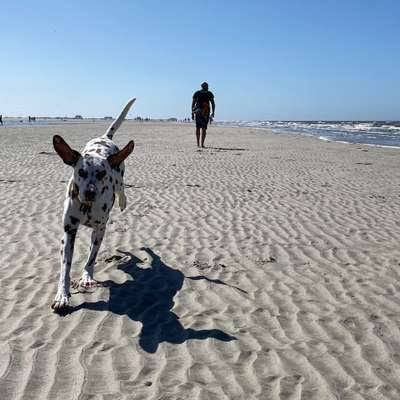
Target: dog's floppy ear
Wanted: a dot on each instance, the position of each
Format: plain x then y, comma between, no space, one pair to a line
117,158
68,155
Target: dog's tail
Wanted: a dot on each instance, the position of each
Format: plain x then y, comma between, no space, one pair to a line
117,123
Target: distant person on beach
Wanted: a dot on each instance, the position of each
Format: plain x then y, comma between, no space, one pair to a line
201,111
1,119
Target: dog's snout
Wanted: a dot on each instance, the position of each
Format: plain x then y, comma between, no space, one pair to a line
90,193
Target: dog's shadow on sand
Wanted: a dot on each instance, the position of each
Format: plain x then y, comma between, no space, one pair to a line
148,298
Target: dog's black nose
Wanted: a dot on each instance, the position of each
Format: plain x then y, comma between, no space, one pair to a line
90,194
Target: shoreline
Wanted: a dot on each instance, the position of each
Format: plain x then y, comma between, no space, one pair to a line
57,122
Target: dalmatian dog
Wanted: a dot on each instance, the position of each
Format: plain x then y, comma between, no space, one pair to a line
96,180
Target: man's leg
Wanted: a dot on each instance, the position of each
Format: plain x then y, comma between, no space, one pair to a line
203,136
198,136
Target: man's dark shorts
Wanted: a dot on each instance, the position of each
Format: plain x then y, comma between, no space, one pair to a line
201,121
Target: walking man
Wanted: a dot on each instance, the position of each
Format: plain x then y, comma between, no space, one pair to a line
1,119
201,112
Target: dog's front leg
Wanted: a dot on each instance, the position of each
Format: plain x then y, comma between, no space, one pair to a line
87,276
67,250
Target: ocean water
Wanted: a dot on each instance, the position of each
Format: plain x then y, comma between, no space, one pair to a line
376,133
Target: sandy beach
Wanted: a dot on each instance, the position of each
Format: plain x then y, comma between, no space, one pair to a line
262,267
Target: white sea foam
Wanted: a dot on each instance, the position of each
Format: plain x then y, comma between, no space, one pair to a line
380,133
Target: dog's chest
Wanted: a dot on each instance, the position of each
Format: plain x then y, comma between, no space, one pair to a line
98,214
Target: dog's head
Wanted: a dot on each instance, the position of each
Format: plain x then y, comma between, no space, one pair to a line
90,173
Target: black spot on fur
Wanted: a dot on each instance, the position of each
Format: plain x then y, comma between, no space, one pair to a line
116,181
84,208
104,207
103,143
122,173
111,179
74,220
82,173
97,221
96,242
101,174
71,231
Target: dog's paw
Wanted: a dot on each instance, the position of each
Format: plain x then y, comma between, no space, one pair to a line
122,201
87,282
61,302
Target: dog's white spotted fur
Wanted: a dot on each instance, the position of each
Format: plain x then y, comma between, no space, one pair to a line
96,181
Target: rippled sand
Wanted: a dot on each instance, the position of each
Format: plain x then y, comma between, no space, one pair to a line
263,267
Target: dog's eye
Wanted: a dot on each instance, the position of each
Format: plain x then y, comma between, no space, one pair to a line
100,175
82,173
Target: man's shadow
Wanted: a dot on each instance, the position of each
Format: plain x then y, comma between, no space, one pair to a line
225,148
148,298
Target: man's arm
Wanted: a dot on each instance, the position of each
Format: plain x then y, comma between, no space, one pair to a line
193,105
213,107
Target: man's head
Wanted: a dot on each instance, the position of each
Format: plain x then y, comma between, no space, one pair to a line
204,86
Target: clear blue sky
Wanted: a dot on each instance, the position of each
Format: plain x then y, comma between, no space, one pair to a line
281,59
